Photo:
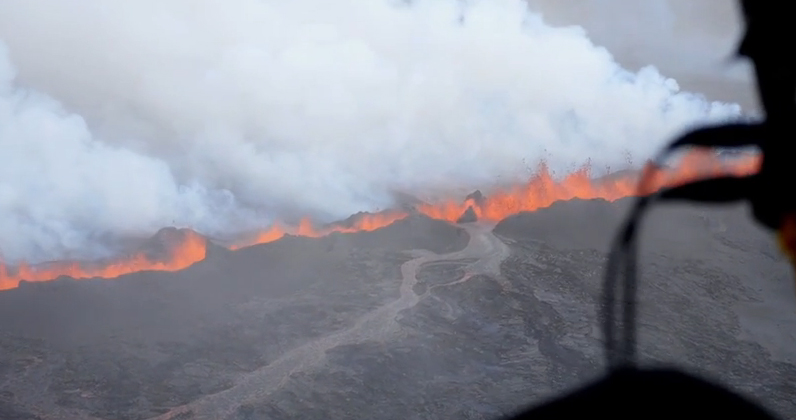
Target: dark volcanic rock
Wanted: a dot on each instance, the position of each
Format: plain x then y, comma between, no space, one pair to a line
9,412
132,347
416,231
476,196
468,216
715,297
575,224
441,273
485,347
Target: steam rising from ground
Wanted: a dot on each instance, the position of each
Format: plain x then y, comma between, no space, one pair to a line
118,118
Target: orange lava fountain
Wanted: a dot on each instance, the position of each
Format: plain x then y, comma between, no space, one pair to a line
543,190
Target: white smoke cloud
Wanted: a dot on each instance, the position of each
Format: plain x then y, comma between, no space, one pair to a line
220,115
694,41
61,189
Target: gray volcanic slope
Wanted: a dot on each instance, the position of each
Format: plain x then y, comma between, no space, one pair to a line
422,319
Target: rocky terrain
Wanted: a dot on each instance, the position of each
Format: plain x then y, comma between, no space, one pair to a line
419,320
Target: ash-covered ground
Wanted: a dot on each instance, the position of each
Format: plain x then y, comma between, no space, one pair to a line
419,320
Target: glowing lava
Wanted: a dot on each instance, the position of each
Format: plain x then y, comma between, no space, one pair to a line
364,223
541,191
181,253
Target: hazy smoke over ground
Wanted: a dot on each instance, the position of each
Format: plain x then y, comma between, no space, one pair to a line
693,41
117,118
688,36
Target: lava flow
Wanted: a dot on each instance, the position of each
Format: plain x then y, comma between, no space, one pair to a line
541,191
180,252
367,222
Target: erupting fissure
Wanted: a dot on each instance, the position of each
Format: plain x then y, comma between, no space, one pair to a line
540,191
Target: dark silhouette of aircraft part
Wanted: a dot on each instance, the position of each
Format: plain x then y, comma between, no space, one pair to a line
628,391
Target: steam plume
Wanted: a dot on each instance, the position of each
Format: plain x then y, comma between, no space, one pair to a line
118,118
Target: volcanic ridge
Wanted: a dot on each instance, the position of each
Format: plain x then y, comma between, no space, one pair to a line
173,249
